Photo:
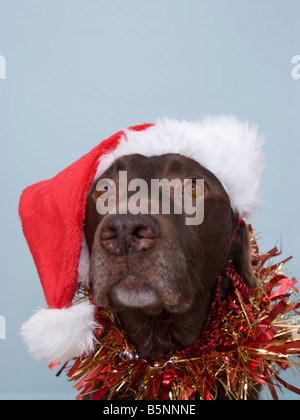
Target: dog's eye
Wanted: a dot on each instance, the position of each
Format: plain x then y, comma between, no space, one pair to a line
103,191
103,188
193,188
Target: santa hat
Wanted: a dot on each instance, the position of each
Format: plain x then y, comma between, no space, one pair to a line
53,212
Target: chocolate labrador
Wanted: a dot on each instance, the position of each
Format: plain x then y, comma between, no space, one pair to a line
156,271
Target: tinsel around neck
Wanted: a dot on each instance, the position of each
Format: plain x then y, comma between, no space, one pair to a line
256,337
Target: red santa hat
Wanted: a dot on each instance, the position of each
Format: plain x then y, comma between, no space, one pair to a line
53,212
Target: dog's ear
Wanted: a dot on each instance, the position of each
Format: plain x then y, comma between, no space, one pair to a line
240,254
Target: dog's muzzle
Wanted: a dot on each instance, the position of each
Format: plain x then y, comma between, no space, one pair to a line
126,234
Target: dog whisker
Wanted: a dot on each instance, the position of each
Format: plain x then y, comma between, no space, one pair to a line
197,261
199,281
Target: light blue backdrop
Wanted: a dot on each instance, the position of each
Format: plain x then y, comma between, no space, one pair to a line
77,71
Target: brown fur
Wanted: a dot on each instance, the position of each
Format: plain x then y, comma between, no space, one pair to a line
157,272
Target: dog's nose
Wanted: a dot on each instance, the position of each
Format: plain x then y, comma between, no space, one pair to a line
125,234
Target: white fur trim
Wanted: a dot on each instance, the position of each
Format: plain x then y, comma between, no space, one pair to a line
230,149
59,335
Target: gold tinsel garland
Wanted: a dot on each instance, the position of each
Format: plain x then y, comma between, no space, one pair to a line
254,341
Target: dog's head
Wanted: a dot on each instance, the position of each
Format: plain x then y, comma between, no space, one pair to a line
155,267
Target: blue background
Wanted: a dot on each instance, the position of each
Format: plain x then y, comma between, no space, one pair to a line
78,71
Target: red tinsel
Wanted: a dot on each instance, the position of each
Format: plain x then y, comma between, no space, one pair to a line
245,341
